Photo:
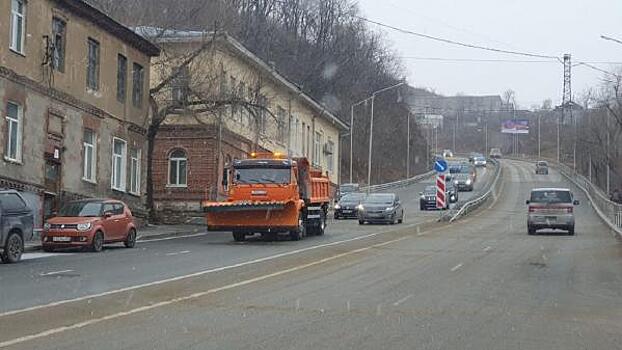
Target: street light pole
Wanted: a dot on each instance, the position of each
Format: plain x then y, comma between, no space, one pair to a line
408,146
539,154
371,128
352,134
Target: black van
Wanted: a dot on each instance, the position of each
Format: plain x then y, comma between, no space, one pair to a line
16,225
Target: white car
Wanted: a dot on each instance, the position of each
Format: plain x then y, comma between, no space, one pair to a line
479,161
447,153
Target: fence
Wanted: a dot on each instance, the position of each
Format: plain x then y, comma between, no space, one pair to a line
397,184
492,191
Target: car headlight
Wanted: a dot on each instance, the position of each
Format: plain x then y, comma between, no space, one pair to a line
468,182
390,209
84,227
360,207
47,226
337,206
455,182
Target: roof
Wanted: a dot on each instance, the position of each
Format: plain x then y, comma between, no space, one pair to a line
550,189
172,36
84,10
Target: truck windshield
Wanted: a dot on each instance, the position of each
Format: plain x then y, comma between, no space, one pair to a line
81,209
263,175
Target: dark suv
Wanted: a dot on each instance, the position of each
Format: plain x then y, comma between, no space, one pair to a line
16,225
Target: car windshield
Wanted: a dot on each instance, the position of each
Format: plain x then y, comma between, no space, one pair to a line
380,199
81,209
542,164
262,175
353,197
348,188
430,190
551,196
479,158
459,169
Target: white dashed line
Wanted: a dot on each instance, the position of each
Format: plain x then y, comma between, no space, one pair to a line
55,273
455,268
178,253
404,299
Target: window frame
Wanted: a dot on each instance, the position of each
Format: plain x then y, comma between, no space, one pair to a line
121,78
123,166
177,161
59,66
93,64
9,127
138,84
93,165
135,171
15,45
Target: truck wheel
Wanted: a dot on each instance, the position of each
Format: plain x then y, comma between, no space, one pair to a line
13,249
239,236
571,231
319,231
531,231
299,232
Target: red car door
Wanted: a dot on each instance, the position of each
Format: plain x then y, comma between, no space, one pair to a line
108,222
121,220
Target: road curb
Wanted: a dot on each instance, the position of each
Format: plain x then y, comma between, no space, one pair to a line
35,247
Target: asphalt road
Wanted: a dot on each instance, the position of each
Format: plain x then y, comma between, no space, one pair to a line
480,283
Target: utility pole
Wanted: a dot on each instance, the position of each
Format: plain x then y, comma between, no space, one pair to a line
408,146
352,134
539,133
607,156
566,100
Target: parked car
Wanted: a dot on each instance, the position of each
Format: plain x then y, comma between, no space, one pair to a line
345,189
16,225
347,207
382,208
495,153
480,161
427,201
551,208
542,167
90,224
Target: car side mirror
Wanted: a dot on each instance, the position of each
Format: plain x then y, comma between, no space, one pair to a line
107,214
576,202
421,193
527,202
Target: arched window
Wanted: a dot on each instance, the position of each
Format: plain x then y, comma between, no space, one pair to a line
178,169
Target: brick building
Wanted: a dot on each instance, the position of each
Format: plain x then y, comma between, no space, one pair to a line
192,148
74,100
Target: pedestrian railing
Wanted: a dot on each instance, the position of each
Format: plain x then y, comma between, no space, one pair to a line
490,192
398,184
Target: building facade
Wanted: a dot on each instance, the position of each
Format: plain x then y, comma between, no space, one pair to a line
192,148
74,90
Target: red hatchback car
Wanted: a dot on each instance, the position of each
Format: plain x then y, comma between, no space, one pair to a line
89,224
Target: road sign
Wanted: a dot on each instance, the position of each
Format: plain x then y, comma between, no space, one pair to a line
440,166
441,199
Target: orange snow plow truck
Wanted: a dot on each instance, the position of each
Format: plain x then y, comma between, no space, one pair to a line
270,194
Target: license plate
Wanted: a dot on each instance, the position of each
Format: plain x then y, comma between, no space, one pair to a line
551,218
61,239
347,211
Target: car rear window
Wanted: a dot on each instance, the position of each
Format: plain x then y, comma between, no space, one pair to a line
11,201
551,196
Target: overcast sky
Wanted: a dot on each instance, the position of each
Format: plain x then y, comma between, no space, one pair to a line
550,27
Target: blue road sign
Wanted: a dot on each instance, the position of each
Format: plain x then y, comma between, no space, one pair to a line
440,166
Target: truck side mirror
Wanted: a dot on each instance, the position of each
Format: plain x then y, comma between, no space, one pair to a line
527,202
225,179
576,202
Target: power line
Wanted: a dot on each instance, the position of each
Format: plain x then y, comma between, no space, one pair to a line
445,59
453,42
585,64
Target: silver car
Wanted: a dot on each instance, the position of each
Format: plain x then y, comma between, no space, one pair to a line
551,208
381,208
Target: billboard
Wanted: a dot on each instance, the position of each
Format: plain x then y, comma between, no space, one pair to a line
515,126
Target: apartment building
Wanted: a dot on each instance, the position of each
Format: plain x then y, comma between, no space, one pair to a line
74,89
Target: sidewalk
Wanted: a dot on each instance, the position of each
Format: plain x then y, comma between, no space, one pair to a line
146,233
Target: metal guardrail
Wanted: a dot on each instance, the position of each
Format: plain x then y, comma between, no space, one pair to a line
472,204
398,184
609,211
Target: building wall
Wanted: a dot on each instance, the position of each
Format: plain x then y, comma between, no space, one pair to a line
57,107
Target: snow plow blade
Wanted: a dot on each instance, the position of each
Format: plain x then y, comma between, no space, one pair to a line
251,216
220,207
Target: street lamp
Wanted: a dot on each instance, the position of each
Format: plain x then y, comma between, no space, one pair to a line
371,128
352,132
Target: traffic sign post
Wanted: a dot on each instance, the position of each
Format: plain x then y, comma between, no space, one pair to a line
441,198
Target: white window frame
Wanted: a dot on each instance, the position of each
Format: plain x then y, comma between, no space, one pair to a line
330,158
177,161
93,160
10,124
135,183
123,166
17,44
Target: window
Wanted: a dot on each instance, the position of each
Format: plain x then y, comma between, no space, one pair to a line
118,208
108,208
121,78
135,171
178,167
304,143
92,65
138,81
181,86
317,149
281,117
119,153
58,41
330,156
18,25
90,155
12,202
14,132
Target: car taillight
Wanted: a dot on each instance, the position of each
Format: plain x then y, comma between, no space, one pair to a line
569,210
532,209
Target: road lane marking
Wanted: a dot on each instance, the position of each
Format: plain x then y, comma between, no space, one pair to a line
177,253
455,268
487,249
141,239
160,304
206,272
404,299
54,273
32,256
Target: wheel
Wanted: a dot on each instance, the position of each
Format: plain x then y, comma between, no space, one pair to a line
13,249
299,232
571,231
531,231
98,242
421,206
401,220
239,236
361,222
130,239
